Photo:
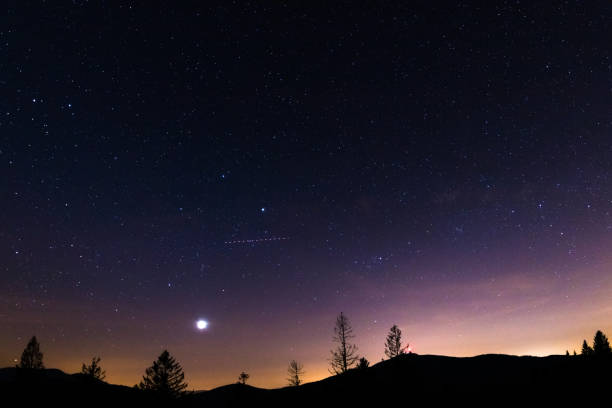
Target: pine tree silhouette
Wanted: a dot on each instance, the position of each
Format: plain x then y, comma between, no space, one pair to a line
601,345
31,356
393,344
295,370
94,370
586,349
363,363
345,354
164,376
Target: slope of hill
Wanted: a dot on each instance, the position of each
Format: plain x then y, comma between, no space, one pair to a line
54,387
435,381
487,380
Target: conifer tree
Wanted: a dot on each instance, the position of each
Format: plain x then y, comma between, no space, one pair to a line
601,345
363,363
295,370
345,354
165,376
393,344
586,349
94,370
32,356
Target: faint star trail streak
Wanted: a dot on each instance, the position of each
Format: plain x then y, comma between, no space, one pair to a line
252,241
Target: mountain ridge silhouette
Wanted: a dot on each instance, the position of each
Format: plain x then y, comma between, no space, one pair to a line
435,380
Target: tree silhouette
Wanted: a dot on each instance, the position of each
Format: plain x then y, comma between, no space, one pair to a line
586,349
94,370
164,376
345,354
243,377
601,345
363,363
295,370
31,356
393,344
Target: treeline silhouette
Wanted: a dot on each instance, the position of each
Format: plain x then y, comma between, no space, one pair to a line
601,346
165,377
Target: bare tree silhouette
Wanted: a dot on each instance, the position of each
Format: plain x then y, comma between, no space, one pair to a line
243,377
295,370
345,354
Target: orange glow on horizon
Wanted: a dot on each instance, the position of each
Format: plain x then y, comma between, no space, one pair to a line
516,315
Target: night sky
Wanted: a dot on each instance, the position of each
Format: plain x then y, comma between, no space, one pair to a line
266,165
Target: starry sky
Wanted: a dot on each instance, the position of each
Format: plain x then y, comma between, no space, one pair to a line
266,165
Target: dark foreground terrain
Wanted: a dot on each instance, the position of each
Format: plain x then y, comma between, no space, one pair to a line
409,380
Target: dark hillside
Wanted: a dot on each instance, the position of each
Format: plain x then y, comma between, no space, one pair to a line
435,380
51,387
487,380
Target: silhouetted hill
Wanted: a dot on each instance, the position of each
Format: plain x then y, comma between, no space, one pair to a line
54,387
230,395
487,380
435,381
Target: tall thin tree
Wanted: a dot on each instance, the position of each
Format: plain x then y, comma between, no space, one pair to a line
345,354
165,376
295,370
32,356
393,344
94,370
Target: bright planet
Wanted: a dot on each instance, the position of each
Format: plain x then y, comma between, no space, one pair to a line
201,324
